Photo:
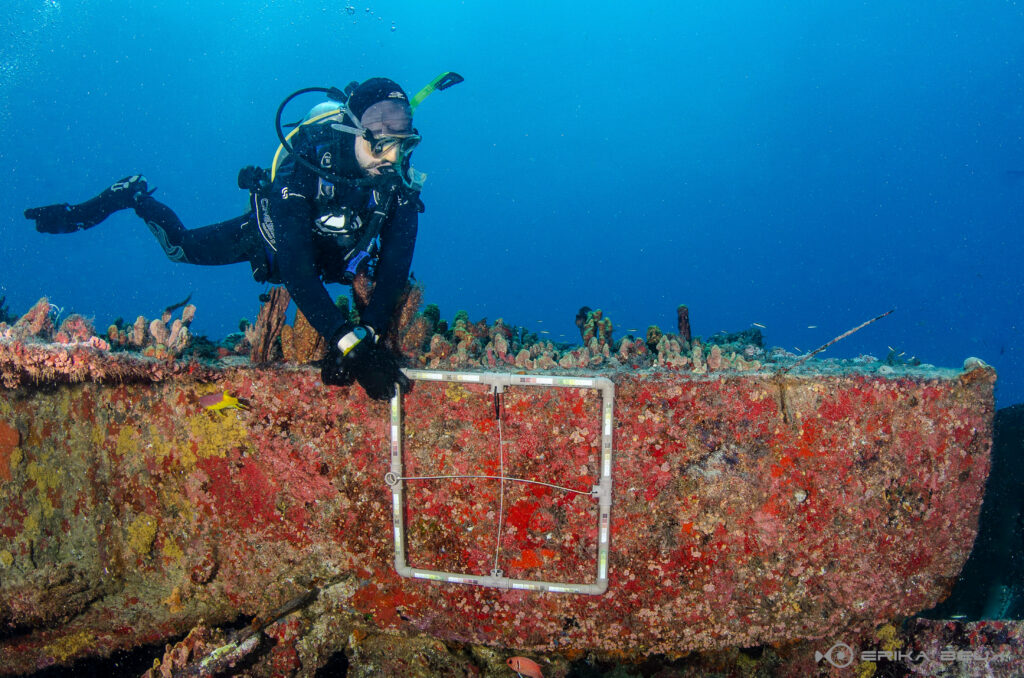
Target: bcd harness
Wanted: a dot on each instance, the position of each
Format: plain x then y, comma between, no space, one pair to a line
354,219
352,230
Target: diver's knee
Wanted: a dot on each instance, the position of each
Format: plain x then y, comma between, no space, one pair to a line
174,251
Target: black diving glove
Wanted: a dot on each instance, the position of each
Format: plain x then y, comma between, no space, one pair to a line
334,369
252,178
355,355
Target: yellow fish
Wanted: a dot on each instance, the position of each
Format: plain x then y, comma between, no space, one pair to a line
217,402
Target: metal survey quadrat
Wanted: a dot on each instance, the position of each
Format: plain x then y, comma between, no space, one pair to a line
601,492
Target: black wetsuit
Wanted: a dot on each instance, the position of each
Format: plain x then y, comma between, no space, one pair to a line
283,240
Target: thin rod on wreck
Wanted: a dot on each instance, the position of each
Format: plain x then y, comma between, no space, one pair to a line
845,334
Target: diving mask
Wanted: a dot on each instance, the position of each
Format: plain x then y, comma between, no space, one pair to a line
381,144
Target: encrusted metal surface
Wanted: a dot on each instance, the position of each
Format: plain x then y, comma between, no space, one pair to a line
747,510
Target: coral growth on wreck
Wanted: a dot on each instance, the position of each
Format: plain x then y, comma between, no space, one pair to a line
300,343
40,347
162,338
747,511
39,324
756,511
262,336
481,345
596,326
418,334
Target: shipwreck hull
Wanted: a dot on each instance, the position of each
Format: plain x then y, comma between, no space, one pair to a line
746,509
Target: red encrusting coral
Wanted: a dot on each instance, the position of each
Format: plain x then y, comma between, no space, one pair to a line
9,440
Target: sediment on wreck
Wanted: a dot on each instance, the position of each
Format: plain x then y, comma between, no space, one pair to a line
747,509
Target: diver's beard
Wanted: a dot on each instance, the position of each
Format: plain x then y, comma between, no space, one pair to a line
384,169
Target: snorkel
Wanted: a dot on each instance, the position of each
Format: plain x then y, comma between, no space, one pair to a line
438,84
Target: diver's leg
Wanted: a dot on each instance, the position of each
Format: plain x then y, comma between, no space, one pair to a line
228,242
65,218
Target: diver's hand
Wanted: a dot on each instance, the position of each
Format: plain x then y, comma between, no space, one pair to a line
378,371
253,178
334,369
355,355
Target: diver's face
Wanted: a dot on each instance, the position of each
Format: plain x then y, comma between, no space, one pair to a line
390,118
371,163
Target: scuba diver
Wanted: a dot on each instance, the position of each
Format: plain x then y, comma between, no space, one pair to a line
340,199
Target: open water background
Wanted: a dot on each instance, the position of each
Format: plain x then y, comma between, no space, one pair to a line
801,165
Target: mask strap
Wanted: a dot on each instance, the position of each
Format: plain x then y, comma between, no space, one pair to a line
356,129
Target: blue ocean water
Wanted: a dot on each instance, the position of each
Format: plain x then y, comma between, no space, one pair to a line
801,165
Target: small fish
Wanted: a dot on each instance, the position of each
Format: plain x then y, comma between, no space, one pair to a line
545,332
525,667
812,327
217,402
175,307
226,656
758,325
